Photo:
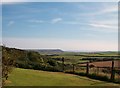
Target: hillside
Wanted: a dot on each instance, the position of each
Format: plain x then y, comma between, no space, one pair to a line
25,77
30,59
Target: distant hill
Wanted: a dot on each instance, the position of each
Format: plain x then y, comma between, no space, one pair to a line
48,51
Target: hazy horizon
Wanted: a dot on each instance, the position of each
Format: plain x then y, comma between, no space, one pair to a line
61,49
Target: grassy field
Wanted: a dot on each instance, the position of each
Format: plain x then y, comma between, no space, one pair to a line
25,77
78,57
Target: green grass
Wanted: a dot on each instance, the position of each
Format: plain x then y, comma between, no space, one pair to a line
26,77
70,57
106,53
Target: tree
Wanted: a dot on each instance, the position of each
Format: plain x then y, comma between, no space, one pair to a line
8,62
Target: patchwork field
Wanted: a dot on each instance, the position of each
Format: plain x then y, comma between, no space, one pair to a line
105,64
25,77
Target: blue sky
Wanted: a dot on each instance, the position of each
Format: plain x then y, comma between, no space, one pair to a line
78,26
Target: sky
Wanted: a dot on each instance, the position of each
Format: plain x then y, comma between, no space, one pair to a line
74,26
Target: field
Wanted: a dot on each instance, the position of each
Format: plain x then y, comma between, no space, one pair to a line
25,77
107,63
78,57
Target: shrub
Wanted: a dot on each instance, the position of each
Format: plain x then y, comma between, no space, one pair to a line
52,62
99,77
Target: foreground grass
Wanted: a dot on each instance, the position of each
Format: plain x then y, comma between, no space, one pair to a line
25,77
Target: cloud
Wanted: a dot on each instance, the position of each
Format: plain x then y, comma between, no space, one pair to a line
107,9
72,22
109,24
11,23
56,20
99,25
36,21
12,1
103,26
53,21
110,9
103,10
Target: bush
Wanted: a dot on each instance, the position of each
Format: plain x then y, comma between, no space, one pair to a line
52,62
99,77
117,80
93,76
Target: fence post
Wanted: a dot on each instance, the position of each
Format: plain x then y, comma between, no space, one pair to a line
63,63
87,68
97,70
73,68
112,71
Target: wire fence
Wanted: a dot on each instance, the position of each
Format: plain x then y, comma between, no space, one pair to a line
108,70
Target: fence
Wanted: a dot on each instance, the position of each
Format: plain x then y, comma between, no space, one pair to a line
105,70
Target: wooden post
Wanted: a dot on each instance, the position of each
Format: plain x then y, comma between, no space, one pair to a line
73,68
112,71
63,63
97,70
87,68
118,68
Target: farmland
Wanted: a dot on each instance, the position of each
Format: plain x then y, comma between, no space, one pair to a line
89,65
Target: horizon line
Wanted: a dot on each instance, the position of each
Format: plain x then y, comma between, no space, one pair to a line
63,49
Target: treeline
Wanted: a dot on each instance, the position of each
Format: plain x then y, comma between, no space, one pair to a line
93,59
12,57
